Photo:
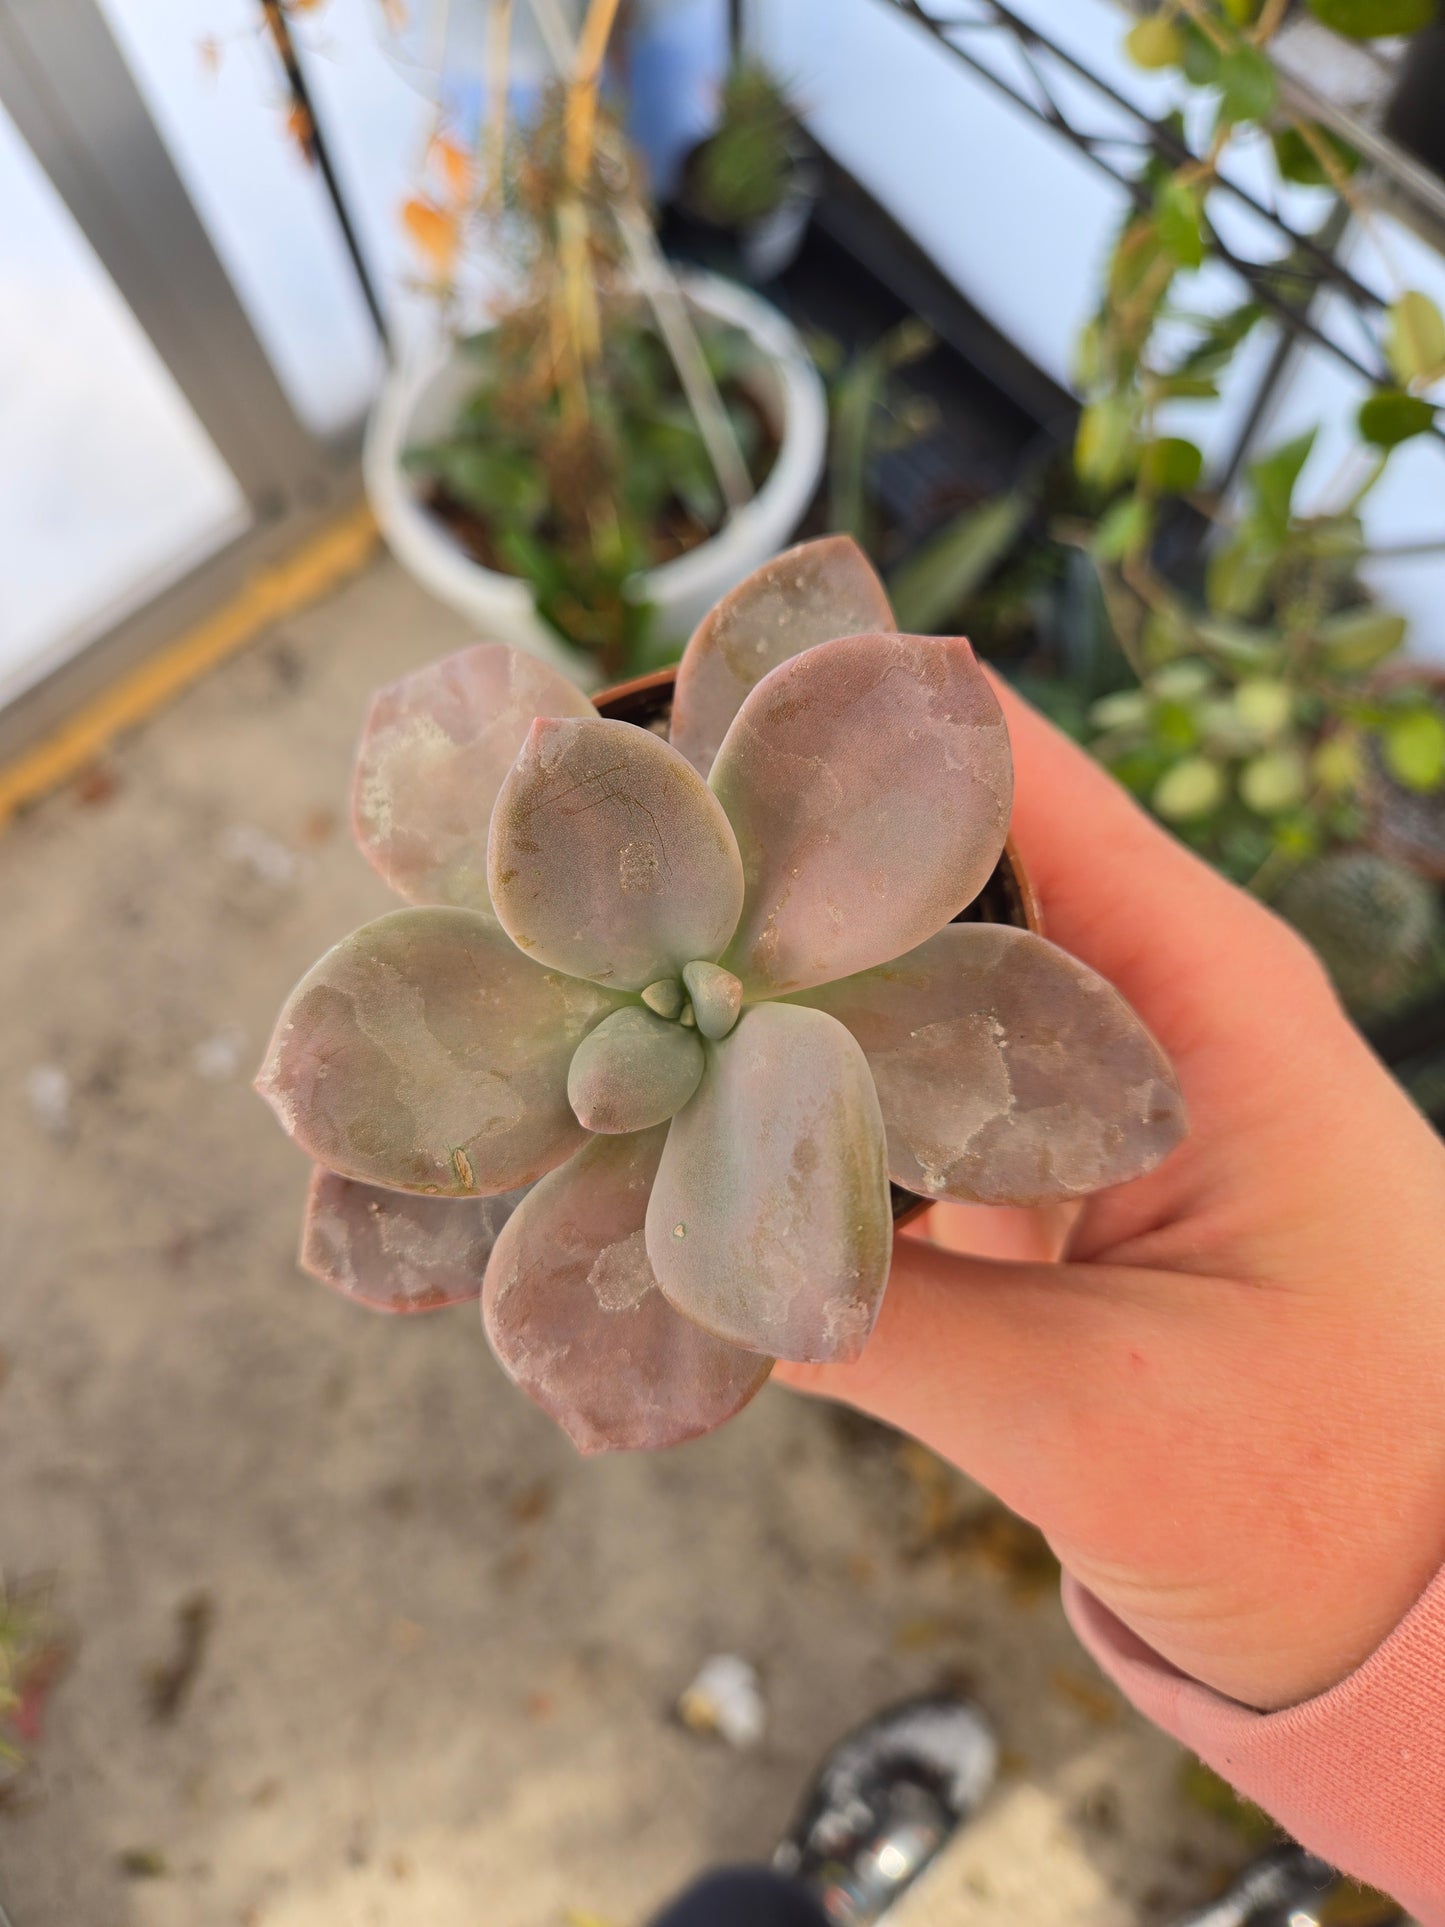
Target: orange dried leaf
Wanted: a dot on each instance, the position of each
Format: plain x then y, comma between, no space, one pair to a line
434,233
300,129
454,166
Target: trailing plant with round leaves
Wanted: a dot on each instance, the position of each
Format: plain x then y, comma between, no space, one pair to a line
1283,597
664,1016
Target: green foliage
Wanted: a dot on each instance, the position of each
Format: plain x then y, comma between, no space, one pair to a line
1171,465
1414,748
1298,158
950,568
1177,220
1156,41
743,170
1372,922
1415,339
1373,19
579,510
1390,417
1248,87
868,412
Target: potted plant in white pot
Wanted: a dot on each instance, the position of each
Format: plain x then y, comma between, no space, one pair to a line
585,474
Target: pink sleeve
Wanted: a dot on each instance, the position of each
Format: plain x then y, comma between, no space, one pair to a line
1357,1775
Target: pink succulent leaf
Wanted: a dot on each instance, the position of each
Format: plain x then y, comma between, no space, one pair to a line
575,1317
426,1053
806,596
716,997
1008,1072
870,785
632,1072
433,754
609,856
393,1251
769,1222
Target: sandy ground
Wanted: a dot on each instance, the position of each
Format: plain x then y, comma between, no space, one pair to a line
443,1653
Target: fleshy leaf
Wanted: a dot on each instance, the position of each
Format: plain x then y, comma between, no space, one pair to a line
575,1317
716,995
870,784
609,857
394,1251
433,754
665,997
805,596
1008,1072
769,1222
426,1053
635,1070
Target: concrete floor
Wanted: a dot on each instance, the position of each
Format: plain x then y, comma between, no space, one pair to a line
444,1653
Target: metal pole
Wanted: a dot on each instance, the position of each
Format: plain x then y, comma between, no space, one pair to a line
308,132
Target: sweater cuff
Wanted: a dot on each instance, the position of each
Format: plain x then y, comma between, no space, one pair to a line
1357,1775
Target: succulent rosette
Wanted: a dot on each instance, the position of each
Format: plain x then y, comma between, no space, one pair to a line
663,1017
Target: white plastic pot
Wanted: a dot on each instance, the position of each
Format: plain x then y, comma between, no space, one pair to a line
419,403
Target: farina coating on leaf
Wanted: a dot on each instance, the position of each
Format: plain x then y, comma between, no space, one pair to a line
869,783
427,1054
574,1314
609,857
770,1222
393,1251
805,596
1008,1071
433,754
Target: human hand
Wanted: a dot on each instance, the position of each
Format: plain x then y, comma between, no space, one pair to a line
1220,1390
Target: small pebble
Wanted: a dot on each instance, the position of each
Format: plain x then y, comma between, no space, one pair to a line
49,1089
726,1699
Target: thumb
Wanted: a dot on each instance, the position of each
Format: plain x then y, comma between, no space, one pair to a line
1015,1368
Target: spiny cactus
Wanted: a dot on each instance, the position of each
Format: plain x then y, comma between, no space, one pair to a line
664,1017
1371,920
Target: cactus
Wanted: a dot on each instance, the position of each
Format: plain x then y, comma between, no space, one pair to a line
664,1016
1371,920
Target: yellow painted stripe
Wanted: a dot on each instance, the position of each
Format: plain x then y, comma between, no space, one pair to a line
317,566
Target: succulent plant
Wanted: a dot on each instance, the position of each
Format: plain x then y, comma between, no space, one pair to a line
664,1016
1372,922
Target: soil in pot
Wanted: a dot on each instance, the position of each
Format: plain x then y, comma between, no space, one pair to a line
578,507
1007,897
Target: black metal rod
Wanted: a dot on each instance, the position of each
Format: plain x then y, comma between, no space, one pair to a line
1285,350
1164,140
313,142
1257,276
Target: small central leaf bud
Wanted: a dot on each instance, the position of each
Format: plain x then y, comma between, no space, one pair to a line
717,997
666,997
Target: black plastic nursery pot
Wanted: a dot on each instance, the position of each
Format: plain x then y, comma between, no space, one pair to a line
1007,897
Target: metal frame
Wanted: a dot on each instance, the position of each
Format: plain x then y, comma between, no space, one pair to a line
1288,288
67,88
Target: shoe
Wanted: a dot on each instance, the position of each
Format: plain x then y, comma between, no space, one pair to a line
885,1802
1286,1887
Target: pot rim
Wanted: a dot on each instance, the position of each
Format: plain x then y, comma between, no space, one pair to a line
429,551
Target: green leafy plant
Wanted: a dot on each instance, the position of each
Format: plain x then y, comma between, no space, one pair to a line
580,505
666,1016
744,169
1374,924
603,435
1262,703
